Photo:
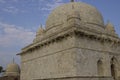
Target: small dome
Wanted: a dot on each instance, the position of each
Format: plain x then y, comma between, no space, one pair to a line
12,70
39,34
40,31
87,13
110,27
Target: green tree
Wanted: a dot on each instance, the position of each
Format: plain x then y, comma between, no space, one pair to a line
1,69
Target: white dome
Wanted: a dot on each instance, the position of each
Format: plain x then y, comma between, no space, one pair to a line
12,70
87,13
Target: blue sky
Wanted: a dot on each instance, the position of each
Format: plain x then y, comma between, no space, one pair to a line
20,19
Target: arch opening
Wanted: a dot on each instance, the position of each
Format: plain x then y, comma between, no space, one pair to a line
113,68
100,68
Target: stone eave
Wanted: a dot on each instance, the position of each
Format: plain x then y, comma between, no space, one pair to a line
97,33
76,30
47,40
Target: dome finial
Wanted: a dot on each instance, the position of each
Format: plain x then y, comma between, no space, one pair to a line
13,60
41,26
72,0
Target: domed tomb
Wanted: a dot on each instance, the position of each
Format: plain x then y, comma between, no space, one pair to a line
87,13
12,69
74,45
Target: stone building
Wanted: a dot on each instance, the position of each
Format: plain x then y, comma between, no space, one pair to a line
12,72
75,45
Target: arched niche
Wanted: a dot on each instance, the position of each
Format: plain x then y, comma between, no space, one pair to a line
100,68
113,68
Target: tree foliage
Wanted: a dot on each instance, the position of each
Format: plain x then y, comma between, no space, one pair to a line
1,68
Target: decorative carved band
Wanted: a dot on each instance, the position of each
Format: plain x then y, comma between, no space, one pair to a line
70,32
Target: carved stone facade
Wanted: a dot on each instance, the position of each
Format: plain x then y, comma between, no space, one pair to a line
76,45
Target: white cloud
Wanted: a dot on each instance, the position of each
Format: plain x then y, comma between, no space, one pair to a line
50,6
13,35
12,39
11,9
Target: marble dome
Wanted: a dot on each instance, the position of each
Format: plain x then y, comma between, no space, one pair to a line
87,13
12,70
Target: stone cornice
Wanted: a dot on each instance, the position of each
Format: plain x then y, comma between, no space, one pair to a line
77,77
95,32
69,31
46,41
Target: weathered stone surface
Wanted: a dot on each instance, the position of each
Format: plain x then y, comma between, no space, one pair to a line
79,48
